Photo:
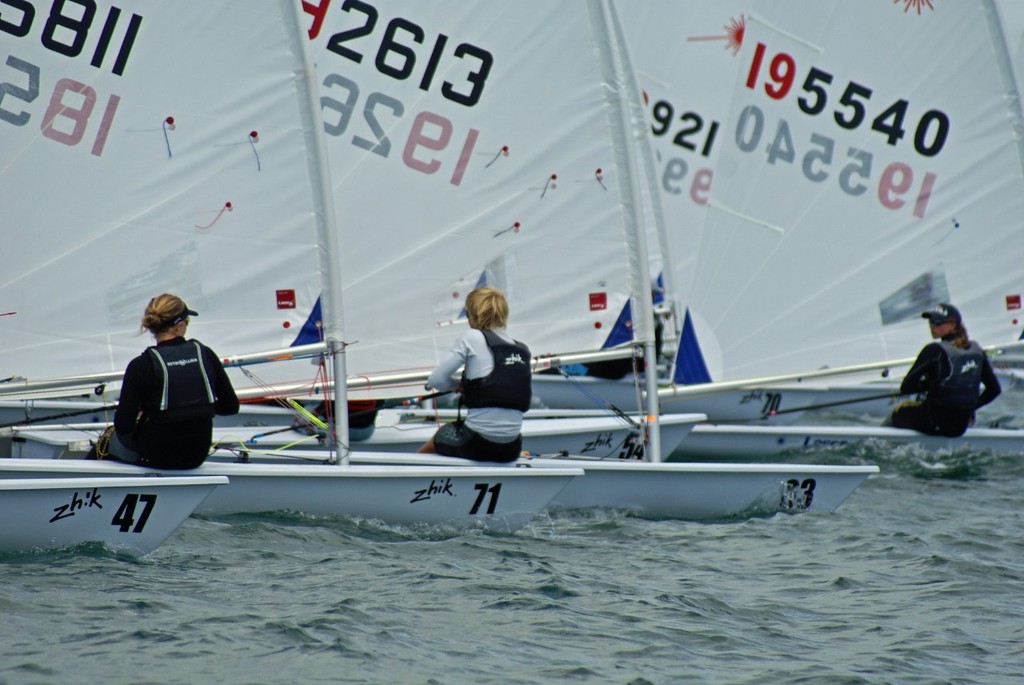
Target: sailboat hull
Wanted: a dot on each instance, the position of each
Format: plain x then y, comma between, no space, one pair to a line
767,442
659,490
602,437
498,497
705,491
749,404
714,491
132,513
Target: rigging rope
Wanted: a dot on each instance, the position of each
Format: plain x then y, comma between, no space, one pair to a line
599,402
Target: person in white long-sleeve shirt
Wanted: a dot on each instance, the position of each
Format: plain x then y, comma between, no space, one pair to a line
495,384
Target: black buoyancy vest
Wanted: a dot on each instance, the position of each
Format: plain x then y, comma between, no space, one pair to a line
509,384
961,387
185,388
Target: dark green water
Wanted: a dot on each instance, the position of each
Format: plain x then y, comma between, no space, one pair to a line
917,578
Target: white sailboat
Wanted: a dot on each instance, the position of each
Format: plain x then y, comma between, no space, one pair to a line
690,112
584,433
581,433
160,148
650,488
135,514
700,491
456,223
848,200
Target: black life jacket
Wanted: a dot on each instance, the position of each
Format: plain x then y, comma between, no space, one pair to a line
184,383
509,384
961,387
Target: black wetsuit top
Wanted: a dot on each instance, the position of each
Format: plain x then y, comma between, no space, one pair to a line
946,411
177,436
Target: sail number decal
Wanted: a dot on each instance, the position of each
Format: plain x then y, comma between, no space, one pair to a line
632,447
70,112
430,131
71,26
485,502
71,115
485,494
128,517
797,494
402,50
820,157
691,132
397,58
125,517
851,110
602,446
772,401
897,185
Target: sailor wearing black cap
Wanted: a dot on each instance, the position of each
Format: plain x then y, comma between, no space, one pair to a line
947,375
169,395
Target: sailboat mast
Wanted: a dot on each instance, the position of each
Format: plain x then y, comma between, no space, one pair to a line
622,91
326,222
1004,63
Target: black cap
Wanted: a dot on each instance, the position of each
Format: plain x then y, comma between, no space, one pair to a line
942,313
178,318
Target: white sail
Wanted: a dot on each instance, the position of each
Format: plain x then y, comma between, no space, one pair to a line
145,151
799,263
686,105
470,147
859,182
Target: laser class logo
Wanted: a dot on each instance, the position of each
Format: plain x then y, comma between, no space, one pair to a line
914,5
733,36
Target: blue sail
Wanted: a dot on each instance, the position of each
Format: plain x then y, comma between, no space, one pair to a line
622,331
690,365
658,293
312,330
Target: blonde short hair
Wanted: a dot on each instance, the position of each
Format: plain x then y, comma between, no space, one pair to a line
487,308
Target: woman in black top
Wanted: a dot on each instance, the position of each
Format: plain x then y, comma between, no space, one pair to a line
170,394
949,374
